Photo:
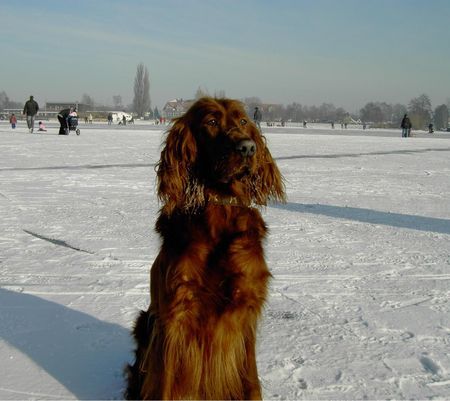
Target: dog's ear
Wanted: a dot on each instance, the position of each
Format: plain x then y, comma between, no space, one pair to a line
269,183
174,168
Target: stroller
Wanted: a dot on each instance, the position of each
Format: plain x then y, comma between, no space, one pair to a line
68,122
72,125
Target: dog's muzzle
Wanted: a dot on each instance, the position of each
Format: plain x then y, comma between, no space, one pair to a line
246,148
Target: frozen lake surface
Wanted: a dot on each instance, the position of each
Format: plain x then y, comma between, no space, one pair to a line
360,254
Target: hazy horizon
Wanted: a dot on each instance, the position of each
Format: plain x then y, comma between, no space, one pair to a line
346,52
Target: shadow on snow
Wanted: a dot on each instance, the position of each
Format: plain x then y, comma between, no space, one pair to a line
84,354
87,166
138,165
380,153
421,223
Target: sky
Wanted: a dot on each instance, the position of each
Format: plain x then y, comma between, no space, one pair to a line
345,52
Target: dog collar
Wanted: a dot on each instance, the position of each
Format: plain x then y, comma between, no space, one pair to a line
225,200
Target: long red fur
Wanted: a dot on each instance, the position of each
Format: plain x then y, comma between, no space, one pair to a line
209,281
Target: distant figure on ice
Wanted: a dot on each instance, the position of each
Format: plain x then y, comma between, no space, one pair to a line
406,126
110,118
257,117
90,118
30,110
42,127
124,120
13,120
332,124
430,128
304,123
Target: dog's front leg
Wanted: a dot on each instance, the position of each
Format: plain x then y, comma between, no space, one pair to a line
182,348
252,388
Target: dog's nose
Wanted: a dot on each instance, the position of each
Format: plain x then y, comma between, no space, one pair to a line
246,147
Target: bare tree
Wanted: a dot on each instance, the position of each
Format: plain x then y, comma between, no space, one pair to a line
398,111
141,101
441,117
372,112
219,94
86,99
4,100
420,111
201,93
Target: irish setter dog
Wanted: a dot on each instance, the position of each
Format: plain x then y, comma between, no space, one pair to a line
209,281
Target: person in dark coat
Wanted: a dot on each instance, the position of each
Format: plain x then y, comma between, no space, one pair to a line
63,118
257,117
30,110
406,126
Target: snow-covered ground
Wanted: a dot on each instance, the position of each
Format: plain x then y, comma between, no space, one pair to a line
360,254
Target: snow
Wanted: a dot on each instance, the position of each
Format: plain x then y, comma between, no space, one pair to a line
360,256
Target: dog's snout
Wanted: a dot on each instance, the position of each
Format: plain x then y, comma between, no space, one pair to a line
246,147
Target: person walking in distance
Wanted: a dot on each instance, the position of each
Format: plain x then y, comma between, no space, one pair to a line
406,126
30,110
257,117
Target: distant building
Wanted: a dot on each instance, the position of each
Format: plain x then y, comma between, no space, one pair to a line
5,114
50,109
176,108
58,106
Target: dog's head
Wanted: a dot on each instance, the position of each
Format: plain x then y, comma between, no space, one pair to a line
214,148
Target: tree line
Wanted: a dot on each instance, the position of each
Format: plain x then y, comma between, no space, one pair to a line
419,111
376,114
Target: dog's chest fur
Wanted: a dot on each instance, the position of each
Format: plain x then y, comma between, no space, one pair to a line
229,271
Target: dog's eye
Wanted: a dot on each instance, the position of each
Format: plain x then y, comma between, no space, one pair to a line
213,122
243,121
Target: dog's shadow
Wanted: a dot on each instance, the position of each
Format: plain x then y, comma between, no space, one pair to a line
84,354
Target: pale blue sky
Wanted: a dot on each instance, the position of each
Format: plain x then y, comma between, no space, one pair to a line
347,52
